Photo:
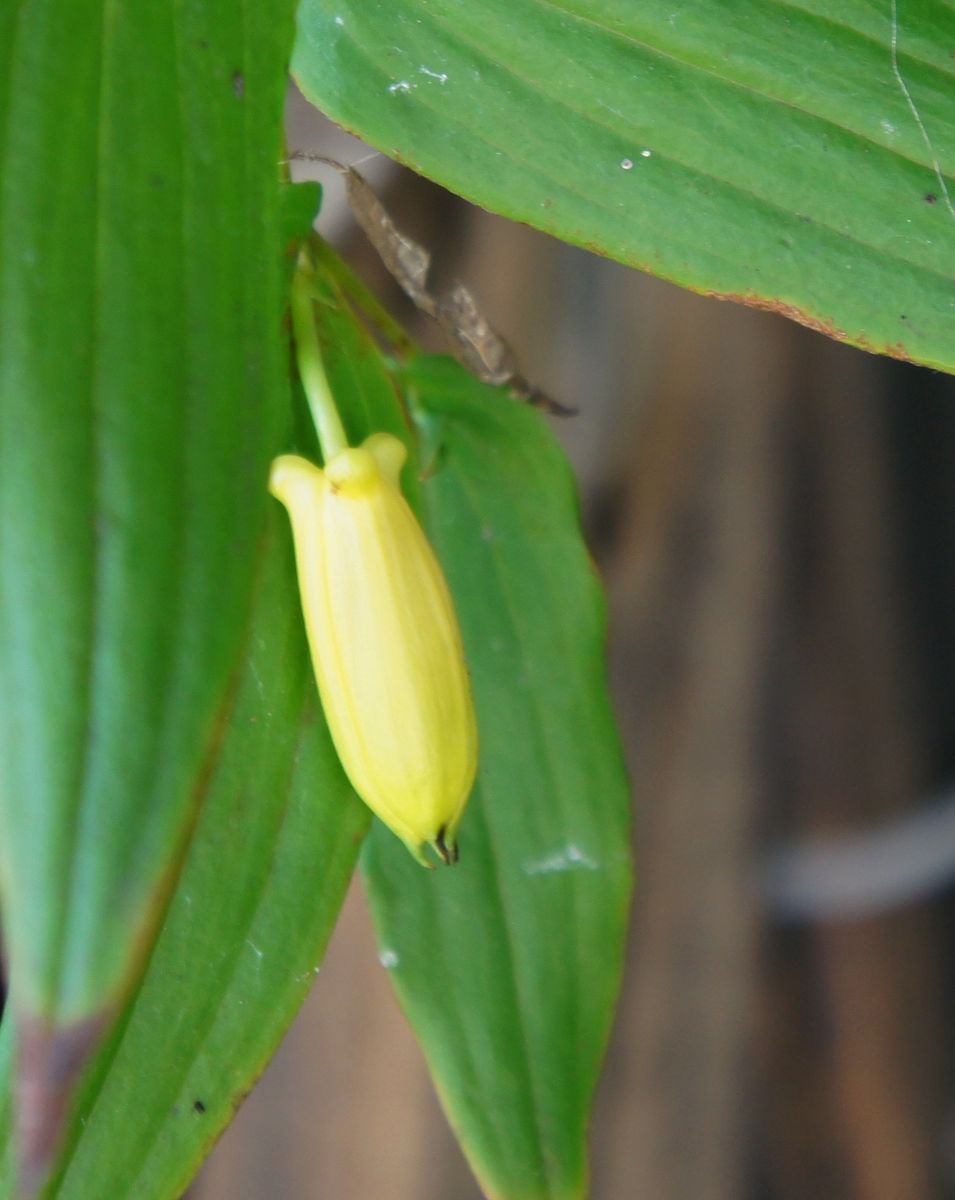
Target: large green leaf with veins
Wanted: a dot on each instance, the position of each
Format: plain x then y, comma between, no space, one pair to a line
143,386
798,156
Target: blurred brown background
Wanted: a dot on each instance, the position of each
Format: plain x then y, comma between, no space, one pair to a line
774,515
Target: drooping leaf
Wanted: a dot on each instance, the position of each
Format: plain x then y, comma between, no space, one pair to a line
264,878
508,965
792,156
143,378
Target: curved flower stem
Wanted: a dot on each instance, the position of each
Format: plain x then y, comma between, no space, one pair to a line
308,352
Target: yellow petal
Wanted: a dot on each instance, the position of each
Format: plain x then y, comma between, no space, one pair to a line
384,639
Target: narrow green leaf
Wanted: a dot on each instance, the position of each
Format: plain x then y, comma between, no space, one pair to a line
777,153
262,884
508,965
142,380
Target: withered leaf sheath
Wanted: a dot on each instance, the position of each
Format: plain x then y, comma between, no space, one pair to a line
384,640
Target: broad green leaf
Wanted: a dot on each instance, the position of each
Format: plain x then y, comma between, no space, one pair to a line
794,156
143,377
264,878
508,965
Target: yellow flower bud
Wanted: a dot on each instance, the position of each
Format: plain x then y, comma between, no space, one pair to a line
384,640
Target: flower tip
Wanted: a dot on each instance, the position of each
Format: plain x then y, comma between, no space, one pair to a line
446,849
444,846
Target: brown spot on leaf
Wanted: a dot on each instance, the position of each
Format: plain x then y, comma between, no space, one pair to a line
49,1062
930,198
811,321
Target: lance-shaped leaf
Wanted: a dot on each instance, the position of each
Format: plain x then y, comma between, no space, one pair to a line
262,884
143,372
799,157
508,965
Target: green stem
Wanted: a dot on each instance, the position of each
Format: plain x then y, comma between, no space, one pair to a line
311,369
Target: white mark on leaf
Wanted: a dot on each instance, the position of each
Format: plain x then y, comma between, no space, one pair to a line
645,153
256,678
917,116
339,20
441,76
626,164
402,85
388,959
570,858
254,948
888,128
